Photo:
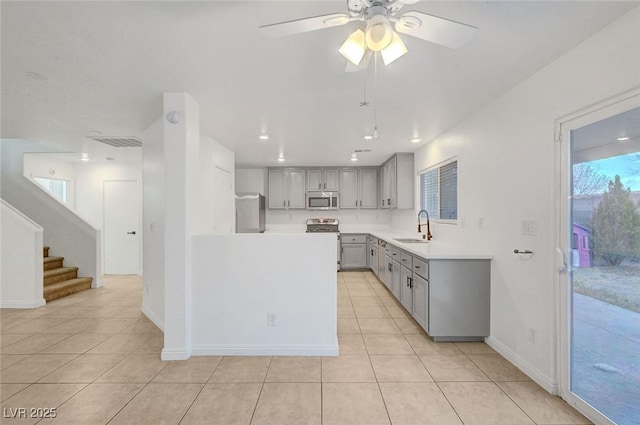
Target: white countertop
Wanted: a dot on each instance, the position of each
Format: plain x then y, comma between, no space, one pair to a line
432,250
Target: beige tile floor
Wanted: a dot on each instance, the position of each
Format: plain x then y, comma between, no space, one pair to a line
95,358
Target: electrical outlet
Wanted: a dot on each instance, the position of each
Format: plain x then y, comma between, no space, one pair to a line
532,335
271,319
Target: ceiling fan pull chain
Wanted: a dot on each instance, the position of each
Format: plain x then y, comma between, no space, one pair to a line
375,94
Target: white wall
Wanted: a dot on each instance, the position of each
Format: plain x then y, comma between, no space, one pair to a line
256,180
238,279
506,174
216,203
21,284
42,165
153,223
90,178
65,231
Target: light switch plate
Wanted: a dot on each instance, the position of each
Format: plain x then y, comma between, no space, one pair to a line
529,227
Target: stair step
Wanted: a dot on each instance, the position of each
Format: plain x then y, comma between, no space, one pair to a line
59,274
45,251
66,287
51,263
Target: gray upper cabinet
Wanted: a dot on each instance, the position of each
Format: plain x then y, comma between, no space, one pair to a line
330,180
287,188
368,188
278,189
314,179
397,181
349,188
358,188
322,179
297,192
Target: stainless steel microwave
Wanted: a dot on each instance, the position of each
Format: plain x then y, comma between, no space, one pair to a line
322,200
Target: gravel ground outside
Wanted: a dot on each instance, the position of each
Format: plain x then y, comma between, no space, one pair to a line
617,285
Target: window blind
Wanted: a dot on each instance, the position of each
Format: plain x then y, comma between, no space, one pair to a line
449,191
439,192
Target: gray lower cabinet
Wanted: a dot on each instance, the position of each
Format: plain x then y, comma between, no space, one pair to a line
388,271
396,278
406,291
459,299
373,258
353,249
421,300
450,299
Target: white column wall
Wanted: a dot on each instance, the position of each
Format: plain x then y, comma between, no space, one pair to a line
506,155
181,179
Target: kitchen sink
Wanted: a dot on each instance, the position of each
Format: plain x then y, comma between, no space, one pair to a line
412,240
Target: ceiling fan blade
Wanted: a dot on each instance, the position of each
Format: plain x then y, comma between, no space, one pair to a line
298,26
364,63
436,30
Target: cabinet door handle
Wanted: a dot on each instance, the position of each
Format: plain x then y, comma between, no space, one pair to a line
417,267
356,203
284,203
325,185
289,202
372,252
319,185
383,202
388,201
360,203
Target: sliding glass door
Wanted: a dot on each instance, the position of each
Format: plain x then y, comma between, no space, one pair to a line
600,241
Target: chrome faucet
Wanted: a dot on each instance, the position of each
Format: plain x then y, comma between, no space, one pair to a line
429,237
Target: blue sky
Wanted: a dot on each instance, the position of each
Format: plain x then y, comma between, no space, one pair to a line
621,165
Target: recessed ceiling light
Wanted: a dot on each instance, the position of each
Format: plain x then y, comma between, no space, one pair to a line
85,157
354,157
368,137
415,140
263,137
281,158
622,139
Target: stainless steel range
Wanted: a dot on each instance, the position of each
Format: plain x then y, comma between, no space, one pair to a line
325,225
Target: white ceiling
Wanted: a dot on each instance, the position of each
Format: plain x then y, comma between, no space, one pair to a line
107,63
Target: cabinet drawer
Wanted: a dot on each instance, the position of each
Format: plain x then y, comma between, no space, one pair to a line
347,238
395,253
406,260
421,268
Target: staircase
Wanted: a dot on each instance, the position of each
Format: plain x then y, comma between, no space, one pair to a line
60,281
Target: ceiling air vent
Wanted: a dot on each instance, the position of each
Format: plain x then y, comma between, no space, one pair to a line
119,142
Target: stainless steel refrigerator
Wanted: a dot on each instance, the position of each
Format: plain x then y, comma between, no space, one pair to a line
250,213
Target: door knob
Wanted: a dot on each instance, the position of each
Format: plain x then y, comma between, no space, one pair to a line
131,233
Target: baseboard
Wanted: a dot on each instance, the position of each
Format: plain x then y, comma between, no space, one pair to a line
169,355
23,304
264,350
96,283
549,384
153,317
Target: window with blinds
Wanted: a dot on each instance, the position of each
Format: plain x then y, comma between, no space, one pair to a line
439,191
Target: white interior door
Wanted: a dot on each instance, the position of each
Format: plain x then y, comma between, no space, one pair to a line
121,232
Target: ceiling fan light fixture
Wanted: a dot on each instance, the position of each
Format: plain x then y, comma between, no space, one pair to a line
354,47
378,34
394,50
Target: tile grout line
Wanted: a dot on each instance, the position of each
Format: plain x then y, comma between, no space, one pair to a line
261,389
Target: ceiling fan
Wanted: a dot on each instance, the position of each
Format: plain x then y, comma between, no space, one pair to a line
378,36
